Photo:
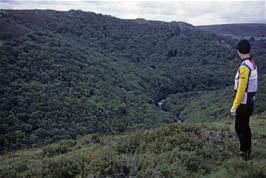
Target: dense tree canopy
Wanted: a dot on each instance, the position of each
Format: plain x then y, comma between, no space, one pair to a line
65,74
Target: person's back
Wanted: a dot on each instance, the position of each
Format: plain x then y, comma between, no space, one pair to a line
246,85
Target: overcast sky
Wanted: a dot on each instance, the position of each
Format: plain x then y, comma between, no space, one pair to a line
194,12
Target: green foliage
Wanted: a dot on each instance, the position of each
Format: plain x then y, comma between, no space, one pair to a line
172,150
206,106
62,167
240,169
59,148
66,74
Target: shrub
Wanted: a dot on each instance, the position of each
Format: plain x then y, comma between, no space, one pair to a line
62,167
59,148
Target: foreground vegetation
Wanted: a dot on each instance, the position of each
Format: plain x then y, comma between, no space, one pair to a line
172,150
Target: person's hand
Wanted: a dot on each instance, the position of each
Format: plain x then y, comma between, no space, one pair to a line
233,111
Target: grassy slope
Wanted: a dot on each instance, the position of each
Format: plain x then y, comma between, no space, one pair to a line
187,150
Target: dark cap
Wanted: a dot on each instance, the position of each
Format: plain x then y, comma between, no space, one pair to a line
243,46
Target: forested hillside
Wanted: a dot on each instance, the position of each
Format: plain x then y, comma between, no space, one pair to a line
67,74
210,106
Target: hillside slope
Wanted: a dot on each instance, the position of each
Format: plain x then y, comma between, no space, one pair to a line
168,151
210,106
66,74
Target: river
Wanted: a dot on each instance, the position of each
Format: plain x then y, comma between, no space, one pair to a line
160,104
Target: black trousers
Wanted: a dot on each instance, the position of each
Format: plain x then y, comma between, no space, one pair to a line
242,128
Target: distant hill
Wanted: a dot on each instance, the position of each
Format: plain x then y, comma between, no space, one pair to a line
245,29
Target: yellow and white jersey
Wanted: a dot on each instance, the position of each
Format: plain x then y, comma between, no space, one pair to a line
246,83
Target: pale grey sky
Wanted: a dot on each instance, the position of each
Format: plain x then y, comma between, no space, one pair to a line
194,12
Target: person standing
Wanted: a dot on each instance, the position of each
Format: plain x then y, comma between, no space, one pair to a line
246,85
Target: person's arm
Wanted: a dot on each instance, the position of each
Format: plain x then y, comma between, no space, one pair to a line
243,81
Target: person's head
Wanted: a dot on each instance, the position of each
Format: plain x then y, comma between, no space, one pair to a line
243,49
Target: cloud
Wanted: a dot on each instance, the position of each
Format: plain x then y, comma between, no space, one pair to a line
194,12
